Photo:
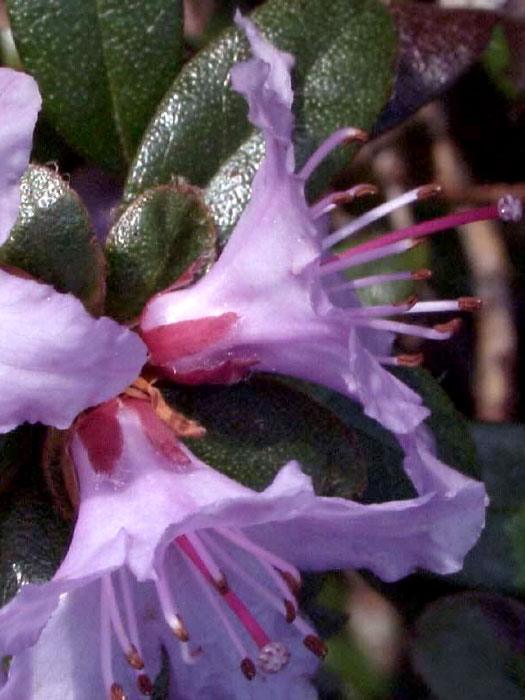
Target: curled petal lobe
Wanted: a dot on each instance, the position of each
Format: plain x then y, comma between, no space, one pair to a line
56,359
19,105
265,82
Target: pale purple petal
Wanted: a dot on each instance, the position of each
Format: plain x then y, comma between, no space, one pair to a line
265,82
56,359
19,105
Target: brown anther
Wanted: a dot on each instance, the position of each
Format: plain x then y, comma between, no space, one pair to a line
469,304
291,610
430,190
315,645
293,584
221,585
420,275
144,684
364,189
248,668
179,630
410,360
357,135
449,327
117,692
134,659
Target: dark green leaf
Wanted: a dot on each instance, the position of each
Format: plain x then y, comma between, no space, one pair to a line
471,646
102,66
495,560
154,242
33,540
255,427
344,55
454,443
53,240
15,450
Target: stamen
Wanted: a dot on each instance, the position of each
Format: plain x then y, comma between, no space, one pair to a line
342,261
316,645
440,332
335,199
190,544
130,610
380,310
345,135
243,542
171,615
289,611
382,279
405,360
117,692
379,212
231,599
432,307
130,651
105,646
247,666
144,684
423,229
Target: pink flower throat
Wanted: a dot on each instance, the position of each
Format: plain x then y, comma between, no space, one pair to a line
201,553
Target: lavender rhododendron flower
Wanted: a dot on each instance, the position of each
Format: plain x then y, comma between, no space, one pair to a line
55,358
169,552
273,301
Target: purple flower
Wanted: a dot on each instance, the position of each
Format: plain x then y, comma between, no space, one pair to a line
274,300
169,552
55,359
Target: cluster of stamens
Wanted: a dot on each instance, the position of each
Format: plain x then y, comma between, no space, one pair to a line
508,208
202,551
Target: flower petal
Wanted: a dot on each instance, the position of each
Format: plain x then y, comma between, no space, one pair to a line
19,105
265,82
56,359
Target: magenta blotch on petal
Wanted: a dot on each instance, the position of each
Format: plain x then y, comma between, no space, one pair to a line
19,105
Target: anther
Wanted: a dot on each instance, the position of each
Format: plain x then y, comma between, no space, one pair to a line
144,684
221,584
357,191
450,327
510,208
248,668
357,135
273,657
178,628
134,659
290,609
315,645
427,191
117,692
293,584
469,304
420,275
410,360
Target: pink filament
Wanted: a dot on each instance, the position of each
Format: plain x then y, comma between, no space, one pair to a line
426,228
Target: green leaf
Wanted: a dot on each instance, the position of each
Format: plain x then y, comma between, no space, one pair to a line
343,72
469,646
154,242
454,445
52,239
255,427
102,66
15,450
496,559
